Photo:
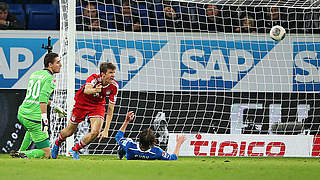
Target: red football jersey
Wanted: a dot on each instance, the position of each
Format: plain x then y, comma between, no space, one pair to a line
99,99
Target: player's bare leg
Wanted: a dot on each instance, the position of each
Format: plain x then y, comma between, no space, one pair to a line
69,130
96,124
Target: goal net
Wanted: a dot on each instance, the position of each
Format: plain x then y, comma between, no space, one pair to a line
196,67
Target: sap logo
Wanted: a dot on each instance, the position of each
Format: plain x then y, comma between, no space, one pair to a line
219,64
129,56
20,58
17,56
306,72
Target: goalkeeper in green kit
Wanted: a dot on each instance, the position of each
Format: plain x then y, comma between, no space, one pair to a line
32,113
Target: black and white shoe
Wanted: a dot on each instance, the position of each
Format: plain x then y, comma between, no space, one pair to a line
121,152
17,154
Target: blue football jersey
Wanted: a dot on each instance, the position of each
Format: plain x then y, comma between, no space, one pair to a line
133,151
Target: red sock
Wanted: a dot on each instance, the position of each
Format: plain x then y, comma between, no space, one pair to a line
59,140
79,146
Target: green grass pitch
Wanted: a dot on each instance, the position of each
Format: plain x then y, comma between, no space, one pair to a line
109,167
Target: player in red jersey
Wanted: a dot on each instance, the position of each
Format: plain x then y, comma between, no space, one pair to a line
90,101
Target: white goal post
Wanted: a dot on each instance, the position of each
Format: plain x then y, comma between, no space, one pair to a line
205,68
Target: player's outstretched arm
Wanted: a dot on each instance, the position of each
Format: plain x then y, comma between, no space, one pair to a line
109,116
174,156
179,142
120,133
129,118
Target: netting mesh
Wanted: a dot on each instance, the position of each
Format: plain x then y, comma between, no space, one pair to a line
199,66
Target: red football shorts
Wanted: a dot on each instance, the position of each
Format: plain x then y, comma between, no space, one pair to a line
79,115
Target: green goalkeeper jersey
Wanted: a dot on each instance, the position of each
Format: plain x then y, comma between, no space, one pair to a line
40,87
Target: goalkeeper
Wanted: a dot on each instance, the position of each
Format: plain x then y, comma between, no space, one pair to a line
32,113
145,149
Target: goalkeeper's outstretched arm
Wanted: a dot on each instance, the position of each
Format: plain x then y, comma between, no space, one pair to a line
129,117
179,141
119,135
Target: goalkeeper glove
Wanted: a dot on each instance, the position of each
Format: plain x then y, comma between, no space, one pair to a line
58,110
44,122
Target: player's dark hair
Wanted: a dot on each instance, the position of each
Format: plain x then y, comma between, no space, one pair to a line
147,139
105,66
49,58
3,6
89,4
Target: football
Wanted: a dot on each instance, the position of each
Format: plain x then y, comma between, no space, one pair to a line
277,33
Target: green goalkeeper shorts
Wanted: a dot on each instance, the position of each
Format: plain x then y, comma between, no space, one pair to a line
34,128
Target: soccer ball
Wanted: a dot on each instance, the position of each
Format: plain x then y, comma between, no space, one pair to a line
277,33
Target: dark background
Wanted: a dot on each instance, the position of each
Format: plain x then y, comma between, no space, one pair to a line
11,131
186,111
